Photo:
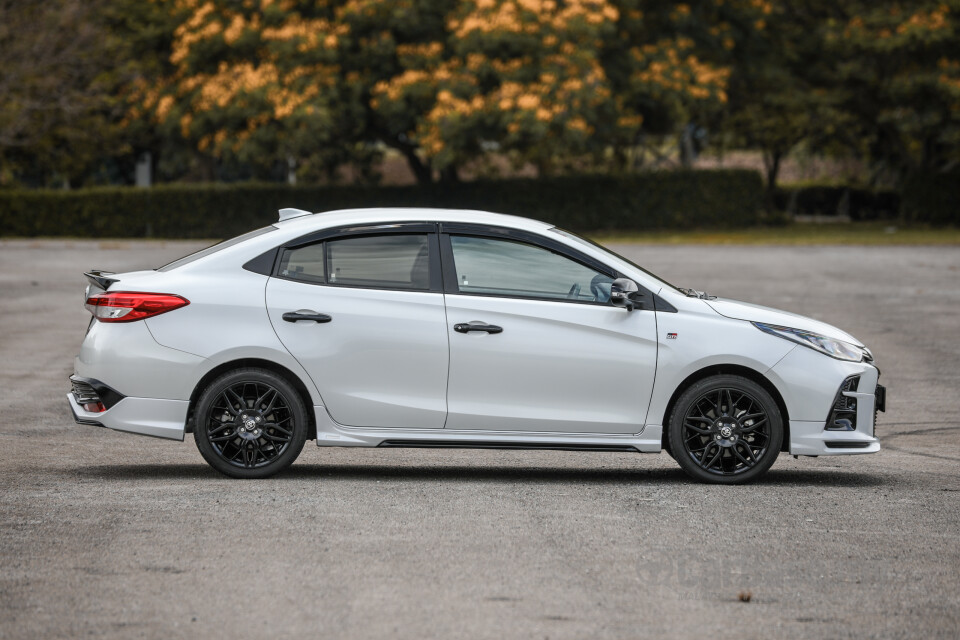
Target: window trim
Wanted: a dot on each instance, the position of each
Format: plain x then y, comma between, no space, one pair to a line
378,229
451,286
354,231
216,247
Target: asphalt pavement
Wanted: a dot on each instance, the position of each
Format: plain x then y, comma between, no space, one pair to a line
112,535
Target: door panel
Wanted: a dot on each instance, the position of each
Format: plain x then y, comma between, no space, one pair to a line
381,360
556,366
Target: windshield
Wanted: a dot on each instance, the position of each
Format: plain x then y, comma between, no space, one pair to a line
220,246
591,243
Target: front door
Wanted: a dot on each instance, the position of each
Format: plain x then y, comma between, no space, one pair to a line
535,344
364,315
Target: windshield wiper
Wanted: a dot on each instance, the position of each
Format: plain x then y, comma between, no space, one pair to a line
692,293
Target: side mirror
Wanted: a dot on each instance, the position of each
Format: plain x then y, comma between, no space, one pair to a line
624,292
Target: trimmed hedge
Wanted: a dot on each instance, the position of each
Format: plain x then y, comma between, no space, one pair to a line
933,198
662,200
858,203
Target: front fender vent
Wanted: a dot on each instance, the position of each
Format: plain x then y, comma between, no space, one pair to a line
843,414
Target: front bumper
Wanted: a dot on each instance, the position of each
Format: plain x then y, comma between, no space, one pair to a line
816,439
809,383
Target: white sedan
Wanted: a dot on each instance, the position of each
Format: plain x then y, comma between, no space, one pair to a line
445,328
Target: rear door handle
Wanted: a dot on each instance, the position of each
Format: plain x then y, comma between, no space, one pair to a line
306,314
467,327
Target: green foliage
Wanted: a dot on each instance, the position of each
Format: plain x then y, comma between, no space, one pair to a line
777,95
897,79
55,106
932,198
682,199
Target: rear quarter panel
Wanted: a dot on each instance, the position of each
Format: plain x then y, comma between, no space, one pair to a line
226,319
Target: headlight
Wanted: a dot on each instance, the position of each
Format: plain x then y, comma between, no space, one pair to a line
834,348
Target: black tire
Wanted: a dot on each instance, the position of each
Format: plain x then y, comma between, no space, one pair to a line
250,423
725,429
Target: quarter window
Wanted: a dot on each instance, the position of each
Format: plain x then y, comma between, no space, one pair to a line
492,266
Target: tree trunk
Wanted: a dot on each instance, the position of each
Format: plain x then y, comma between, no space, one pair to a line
687,151
544,167
771,164
449,174
421,171
208,168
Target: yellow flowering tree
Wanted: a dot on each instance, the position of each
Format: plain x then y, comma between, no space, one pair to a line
541,80
257,81
551,82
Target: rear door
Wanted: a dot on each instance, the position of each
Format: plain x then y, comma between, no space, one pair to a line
363,312
535,344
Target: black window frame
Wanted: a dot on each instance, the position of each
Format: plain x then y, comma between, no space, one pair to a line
428,229
443,272
452,286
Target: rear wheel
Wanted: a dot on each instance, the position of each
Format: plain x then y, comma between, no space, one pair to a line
250,423
725,429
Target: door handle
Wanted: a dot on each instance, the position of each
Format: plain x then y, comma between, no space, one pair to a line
467,327
306,314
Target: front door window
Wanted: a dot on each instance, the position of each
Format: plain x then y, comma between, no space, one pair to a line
493,266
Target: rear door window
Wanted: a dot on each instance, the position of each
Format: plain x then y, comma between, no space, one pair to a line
393,261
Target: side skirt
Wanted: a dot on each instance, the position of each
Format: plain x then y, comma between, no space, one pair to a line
332,434
492,444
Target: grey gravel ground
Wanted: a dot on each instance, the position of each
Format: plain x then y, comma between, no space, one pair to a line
111,535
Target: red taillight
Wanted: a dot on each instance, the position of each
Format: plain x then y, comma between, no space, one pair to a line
130,306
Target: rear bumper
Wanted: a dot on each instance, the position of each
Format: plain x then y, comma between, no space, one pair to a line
143,416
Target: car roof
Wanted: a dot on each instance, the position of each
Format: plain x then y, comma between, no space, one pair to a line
340,217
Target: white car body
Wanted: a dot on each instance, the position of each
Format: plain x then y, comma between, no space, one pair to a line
390,370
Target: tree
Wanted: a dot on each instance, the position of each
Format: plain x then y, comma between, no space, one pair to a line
898,77
56,106
546,82
256,83
439,80
779,79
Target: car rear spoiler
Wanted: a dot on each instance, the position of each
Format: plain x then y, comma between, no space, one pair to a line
99,278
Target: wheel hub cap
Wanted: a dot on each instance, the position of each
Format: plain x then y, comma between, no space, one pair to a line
248,425
727,431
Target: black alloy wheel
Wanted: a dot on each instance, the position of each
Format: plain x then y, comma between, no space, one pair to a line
250,423
726,430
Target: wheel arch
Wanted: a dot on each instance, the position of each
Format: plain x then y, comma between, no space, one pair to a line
240,363
732,369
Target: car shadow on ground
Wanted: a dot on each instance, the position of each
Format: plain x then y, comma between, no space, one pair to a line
460,473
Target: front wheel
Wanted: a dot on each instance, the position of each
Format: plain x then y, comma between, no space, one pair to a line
725,429
250,423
